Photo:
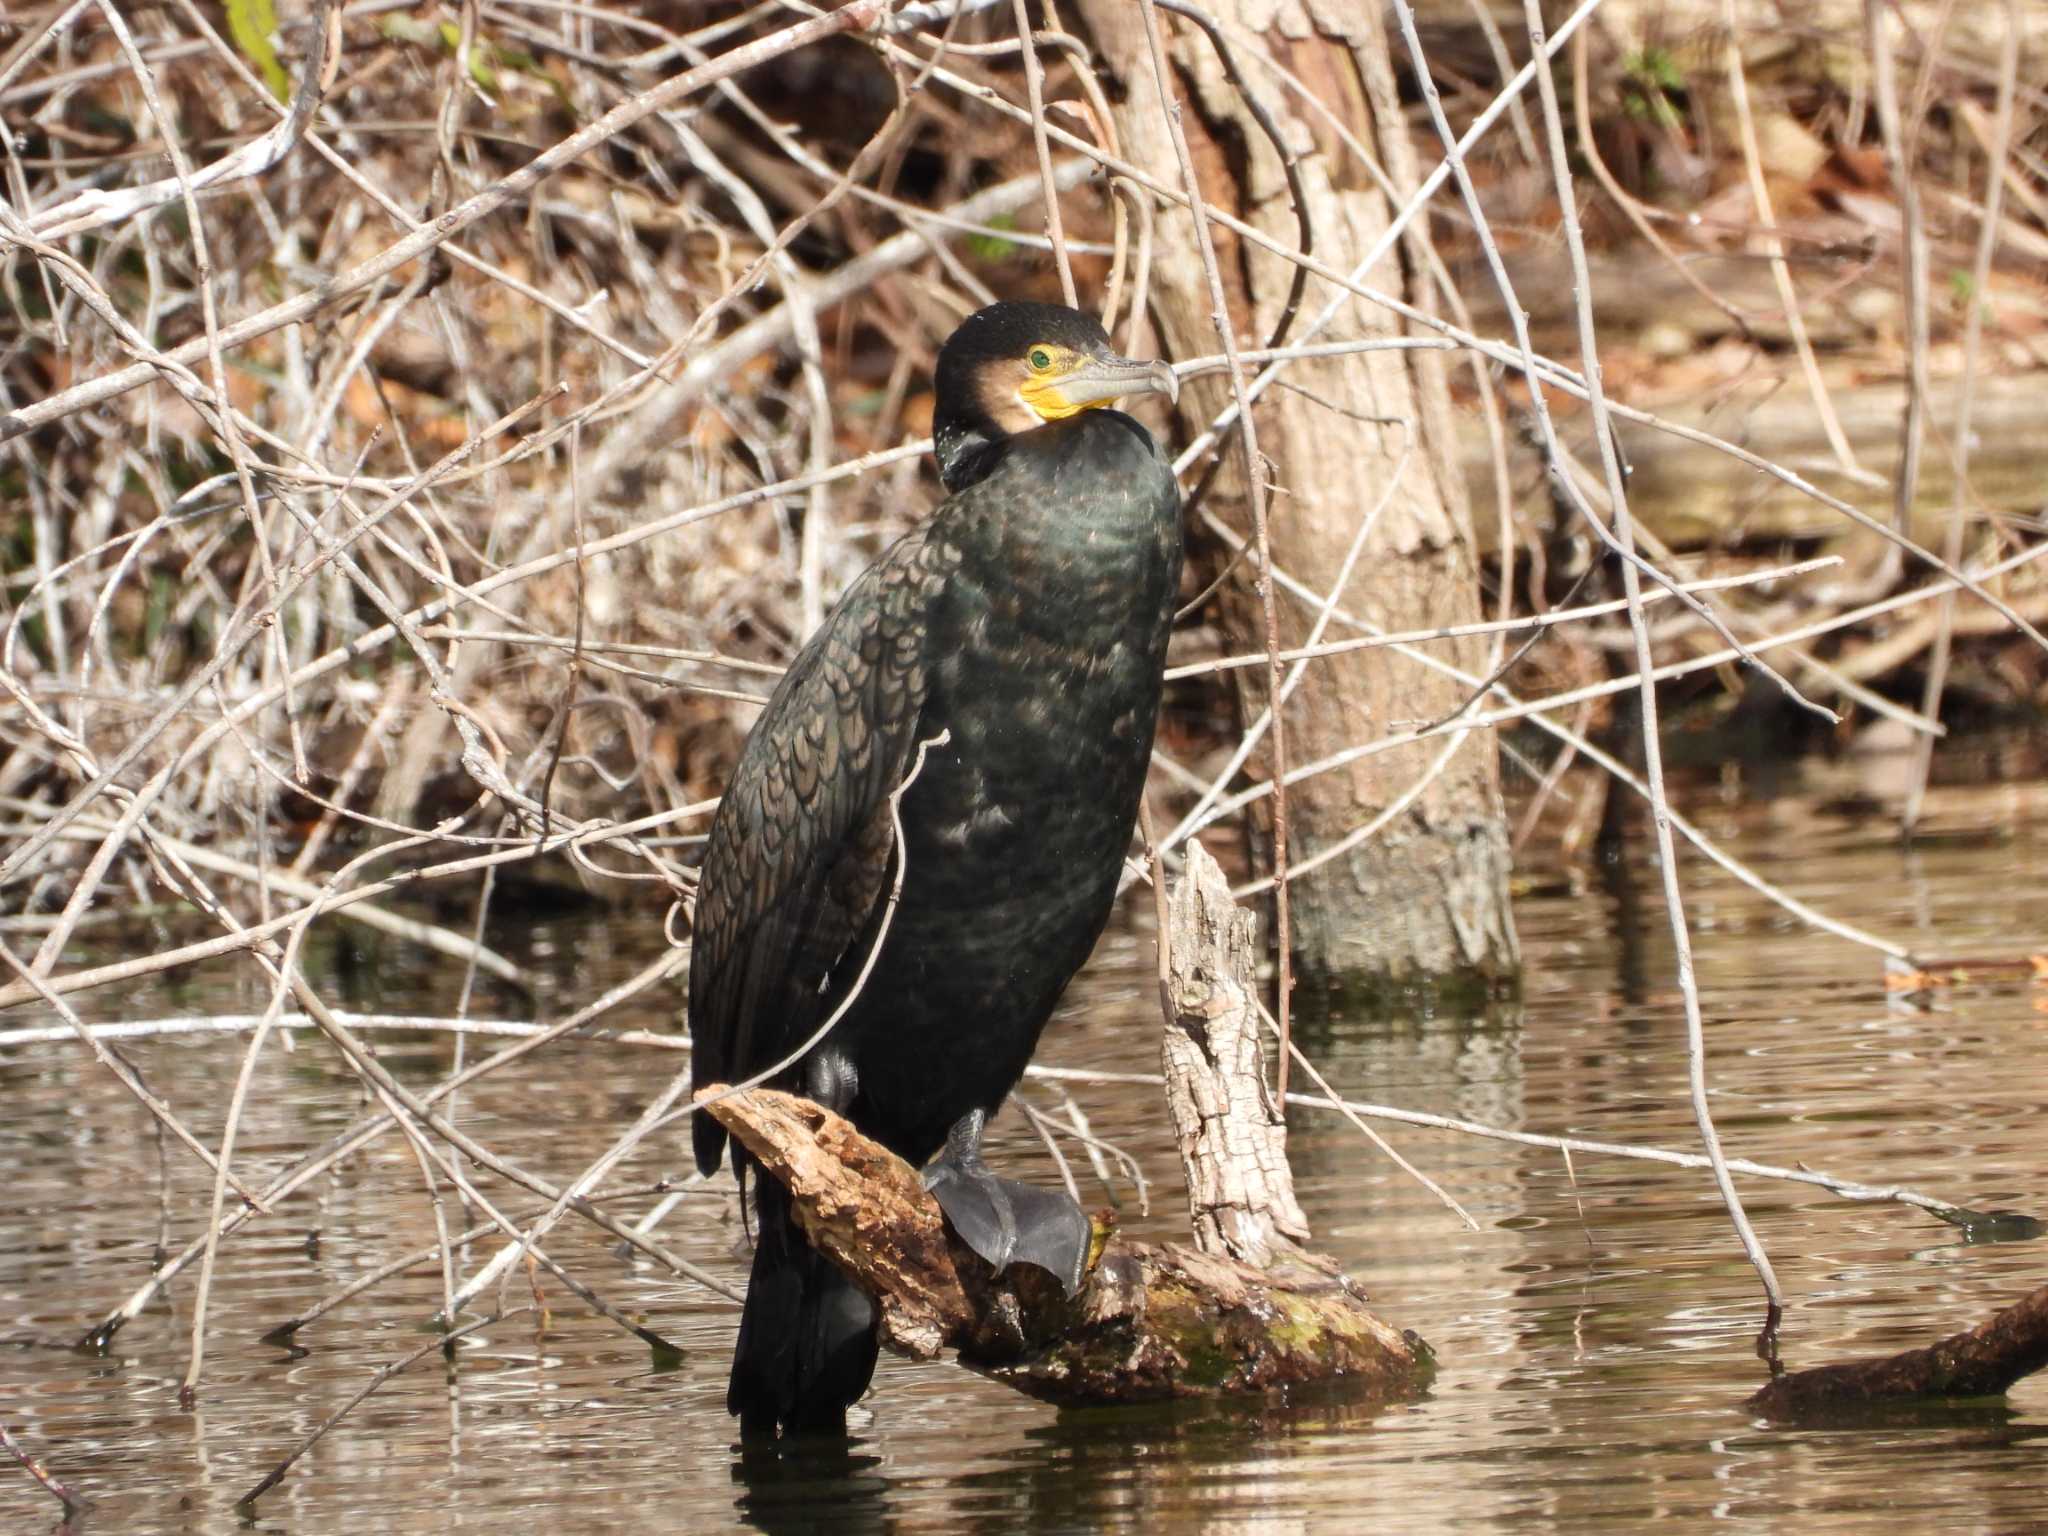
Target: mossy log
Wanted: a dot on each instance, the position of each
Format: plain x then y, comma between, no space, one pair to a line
1982,1362
1151,1321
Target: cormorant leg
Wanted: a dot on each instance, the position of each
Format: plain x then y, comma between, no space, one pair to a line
1002,1220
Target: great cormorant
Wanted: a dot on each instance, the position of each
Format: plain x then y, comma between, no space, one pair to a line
1025,622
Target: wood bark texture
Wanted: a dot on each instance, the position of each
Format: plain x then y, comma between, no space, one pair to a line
1233,1140
1427,897
1151,1322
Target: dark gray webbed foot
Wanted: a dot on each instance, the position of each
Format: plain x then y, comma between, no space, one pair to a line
1003,1221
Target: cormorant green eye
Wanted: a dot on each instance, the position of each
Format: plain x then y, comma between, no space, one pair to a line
1040,359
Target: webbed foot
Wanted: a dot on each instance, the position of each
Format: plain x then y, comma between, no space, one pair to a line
1006,1222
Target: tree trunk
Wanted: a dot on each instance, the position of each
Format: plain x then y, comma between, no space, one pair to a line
1425,899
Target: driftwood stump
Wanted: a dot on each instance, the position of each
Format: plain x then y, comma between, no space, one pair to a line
1245,1310
1151,1321
1233,1139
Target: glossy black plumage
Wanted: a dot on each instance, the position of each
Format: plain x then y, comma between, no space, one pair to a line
1027,621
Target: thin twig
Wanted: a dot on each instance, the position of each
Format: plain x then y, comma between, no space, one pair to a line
853,15
1774,247
1330,1100
247,1502
663,1111
1034,88
1653,756
74,1505
1255,491
1847,1189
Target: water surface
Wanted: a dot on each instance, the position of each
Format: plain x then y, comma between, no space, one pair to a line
1594,1335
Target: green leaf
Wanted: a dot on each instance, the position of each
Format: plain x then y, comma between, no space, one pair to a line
994,247
481,53
250,23
1657,67
486,58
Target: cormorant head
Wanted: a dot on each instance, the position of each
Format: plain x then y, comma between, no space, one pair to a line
1015,366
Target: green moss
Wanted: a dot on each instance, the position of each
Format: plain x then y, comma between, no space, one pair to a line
1303,1328
1206,1365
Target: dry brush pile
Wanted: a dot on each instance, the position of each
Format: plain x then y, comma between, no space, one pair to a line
316,616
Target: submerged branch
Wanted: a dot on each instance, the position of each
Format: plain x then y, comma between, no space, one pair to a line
74,1506
1982,1362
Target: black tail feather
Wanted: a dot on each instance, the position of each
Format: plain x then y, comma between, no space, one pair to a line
807,1343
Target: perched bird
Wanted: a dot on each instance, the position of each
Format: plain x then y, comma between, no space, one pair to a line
1017,637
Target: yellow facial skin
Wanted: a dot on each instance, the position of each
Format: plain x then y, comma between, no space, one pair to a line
1051,382
1045,366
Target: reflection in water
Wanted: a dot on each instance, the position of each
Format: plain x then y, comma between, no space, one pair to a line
809,1483
1996,1416
1206,1466
1593,1337
1622,881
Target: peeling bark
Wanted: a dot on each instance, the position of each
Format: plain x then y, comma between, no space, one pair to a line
1233,1140
1245,1311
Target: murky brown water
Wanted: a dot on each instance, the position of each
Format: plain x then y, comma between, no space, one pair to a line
1595,1336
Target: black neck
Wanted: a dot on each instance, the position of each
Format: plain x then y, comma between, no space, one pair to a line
968,449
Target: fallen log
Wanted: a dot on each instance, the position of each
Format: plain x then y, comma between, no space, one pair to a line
1697,497
1982,1362
1246,1310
